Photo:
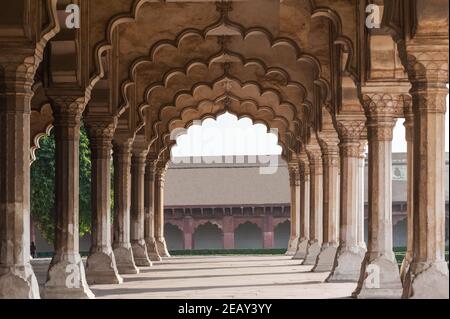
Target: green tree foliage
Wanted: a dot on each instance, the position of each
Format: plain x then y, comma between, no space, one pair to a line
42,186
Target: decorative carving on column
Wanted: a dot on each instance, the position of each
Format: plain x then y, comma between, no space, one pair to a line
101,264
380,276
137,207
330,150
427,276
347,264
122,201
316,204
66,274
304,174
160,170
149,230
409,137
294,181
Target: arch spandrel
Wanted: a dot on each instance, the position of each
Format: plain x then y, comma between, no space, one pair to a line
240,91
270,78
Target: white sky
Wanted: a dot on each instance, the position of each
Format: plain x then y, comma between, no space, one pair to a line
229,136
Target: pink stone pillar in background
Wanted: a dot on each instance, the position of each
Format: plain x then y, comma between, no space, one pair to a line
188,229
268,240
228,232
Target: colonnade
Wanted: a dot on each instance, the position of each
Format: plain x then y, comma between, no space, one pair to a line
330,194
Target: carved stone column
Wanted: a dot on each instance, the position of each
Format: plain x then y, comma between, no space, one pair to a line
159,211
361,199
294,179
66,275
427,276
380,276
316,207
409,130
347,265
137,208
330,150
149,229
303,242
17,279
122,201
101,264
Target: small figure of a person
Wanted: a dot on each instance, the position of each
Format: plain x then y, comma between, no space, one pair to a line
33,249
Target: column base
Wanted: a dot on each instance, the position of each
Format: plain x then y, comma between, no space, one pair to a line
66,279
347,265
18,283
125,261
302,249
326,257
152,250
161,246
379,278
140,254
405,266
427,281
312,253
292,246
101,269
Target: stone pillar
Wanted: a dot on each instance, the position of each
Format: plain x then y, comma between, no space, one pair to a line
294,179
159,211
17,279
303,242
316,207
228,232
66,275
427,276
330,150
101,264
350,254
187,232
149,198
137,208
361,199
380,277
268,240
122,201
409,130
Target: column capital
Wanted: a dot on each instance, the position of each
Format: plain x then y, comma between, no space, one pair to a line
101,131
350,129
315,161
123,146
18,72
294,173
160,172
67,109
330,150
384,104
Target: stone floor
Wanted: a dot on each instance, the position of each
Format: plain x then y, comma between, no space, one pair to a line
197,277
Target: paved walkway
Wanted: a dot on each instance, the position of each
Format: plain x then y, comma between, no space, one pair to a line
199,277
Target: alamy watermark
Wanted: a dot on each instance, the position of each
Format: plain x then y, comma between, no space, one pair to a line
73,17
373,20
229,141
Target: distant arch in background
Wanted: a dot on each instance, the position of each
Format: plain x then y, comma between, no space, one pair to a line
207,236
174,237
248,236
281,234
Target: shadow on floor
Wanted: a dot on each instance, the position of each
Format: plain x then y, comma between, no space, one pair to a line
125,291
